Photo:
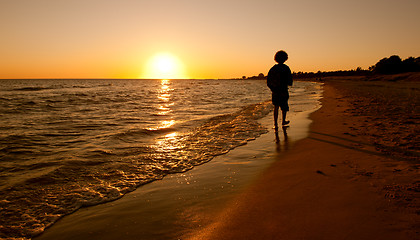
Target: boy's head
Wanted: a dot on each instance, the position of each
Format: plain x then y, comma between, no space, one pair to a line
281,56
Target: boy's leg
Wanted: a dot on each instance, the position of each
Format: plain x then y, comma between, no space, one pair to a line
276,115
284,122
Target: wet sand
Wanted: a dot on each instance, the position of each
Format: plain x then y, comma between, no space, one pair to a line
343,181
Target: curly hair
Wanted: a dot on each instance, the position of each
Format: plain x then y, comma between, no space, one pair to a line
281,56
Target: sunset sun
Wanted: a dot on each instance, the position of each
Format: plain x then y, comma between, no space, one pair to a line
164,66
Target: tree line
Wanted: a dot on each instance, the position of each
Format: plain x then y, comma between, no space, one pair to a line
391,65
394,64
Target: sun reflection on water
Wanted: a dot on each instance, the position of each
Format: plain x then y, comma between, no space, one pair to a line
164,95
167,142
164,108
166,124
171,149
168,145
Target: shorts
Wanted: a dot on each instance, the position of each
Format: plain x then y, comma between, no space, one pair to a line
281,99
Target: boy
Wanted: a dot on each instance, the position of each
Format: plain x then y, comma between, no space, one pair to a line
278,79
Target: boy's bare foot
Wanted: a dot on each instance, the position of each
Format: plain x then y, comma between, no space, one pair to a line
285,123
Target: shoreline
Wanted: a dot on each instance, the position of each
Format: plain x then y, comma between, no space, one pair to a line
181,203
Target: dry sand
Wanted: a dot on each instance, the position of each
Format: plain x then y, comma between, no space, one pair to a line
355,177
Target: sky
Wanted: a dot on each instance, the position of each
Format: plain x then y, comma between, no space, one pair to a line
200,39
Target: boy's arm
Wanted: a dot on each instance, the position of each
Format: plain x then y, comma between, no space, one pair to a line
270,80
290,78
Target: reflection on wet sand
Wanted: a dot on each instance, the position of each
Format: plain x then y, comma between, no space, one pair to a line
285,144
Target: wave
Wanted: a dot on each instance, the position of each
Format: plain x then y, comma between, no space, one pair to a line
144,132
32,89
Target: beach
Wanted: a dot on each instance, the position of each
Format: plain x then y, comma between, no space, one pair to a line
153,120
345,180
336,184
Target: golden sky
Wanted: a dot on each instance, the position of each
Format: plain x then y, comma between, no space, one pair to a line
204,39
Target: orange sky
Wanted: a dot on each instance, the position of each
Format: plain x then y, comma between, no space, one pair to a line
212,39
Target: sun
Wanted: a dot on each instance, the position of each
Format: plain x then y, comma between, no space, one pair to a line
164,66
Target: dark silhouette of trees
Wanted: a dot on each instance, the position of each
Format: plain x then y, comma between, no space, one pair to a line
391,65
355,72
411,64
260,76
394,64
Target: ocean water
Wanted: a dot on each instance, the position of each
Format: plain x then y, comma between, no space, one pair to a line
65,144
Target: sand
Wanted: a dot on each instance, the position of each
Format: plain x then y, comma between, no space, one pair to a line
338,183
353,177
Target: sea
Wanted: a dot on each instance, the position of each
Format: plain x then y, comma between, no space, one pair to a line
70,143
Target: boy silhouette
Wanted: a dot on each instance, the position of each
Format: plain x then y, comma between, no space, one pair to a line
278,79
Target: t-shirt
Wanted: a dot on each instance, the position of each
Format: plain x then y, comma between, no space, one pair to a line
279,78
